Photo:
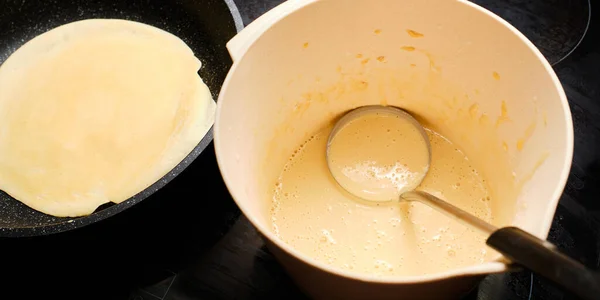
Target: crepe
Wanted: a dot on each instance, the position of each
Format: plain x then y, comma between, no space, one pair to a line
96,111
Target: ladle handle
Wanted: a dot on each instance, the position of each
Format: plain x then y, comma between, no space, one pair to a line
544,259
450,210
524,249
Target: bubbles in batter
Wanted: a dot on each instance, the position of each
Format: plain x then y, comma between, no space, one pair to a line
378,154
313,214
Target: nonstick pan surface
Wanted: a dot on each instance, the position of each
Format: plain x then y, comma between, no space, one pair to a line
205,25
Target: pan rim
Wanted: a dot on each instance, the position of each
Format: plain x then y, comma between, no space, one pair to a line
235,13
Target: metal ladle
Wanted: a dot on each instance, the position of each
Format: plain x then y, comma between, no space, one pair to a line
520,247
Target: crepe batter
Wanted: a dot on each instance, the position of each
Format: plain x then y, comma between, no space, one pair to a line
316,216
96,111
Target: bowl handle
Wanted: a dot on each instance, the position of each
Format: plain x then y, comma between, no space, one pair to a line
238,45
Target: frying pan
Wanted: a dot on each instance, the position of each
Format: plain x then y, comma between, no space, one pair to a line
205,25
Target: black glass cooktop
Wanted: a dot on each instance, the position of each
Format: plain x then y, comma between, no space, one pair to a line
197,245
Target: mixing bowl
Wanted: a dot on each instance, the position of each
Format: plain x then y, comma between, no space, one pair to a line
457,67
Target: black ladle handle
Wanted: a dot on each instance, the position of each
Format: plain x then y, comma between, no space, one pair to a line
524,249
544,259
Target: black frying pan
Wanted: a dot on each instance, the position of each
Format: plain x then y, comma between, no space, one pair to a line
205,25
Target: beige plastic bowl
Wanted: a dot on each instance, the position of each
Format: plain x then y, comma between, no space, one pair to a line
486,86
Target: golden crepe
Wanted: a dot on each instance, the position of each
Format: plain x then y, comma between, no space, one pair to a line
96,111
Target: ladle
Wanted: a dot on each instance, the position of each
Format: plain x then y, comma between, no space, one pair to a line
517,245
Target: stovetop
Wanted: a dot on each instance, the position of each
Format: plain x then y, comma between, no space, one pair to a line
195,246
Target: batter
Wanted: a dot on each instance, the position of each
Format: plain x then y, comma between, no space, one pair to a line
316,216
96,111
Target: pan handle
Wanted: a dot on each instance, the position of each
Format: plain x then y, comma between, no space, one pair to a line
240,43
